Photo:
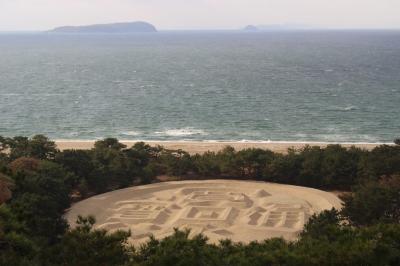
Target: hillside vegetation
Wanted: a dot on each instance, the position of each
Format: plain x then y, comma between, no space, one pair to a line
44,182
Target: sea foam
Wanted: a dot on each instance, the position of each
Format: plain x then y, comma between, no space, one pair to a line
181,132
130,133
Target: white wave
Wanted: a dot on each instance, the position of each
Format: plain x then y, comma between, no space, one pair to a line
181,132
252,141
350,108
10,94
73,134
344,109
130,133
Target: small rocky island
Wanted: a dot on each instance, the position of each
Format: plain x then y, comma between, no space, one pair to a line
251,28
128,27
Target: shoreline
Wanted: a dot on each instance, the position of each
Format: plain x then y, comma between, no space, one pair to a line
193,147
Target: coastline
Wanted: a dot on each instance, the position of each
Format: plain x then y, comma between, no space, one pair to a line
201,147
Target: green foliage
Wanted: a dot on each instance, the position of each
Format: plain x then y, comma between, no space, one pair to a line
109,143
88,247
78,162
311,168
321,225
15,247
111,167
40,198
227,162
333,244
5,188
382,161
175,163
206,164
332,167
3,156
32,219
374,202
274,251
283,168
340,166
39,147
179,250
108,166
3,144
252,162
338,244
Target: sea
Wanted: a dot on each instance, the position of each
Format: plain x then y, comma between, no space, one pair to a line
328,86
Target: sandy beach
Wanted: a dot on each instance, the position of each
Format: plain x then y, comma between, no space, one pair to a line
240,210
200,147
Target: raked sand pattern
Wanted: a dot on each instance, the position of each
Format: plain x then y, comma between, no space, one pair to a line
239,210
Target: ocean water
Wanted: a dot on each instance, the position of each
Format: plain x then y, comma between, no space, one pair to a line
339,86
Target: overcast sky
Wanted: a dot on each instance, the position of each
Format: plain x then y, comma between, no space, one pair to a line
200,14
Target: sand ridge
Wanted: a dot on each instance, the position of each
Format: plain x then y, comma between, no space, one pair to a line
239,210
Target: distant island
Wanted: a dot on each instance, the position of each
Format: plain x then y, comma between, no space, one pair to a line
277,27
251,28
128,27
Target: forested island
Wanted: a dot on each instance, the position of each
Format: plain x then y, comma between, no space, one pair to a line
38,183
128,27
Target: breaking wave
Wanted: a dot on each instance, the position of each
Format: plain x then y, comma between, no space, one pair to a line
181,132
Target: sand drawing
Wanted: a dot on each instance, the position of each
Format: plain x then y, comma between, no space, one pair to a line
242,211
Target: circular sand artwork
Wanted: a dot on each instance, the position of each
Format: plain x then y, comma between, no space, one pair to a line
220,209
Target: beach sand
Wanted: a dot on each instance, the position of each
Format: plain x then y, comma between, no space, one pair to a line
201,147
240,210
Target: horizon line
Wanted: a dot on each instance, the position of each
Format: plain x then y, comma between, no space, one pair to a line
226,30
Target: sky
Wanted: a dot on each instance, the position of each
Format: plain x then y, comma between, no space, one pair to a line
18,15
